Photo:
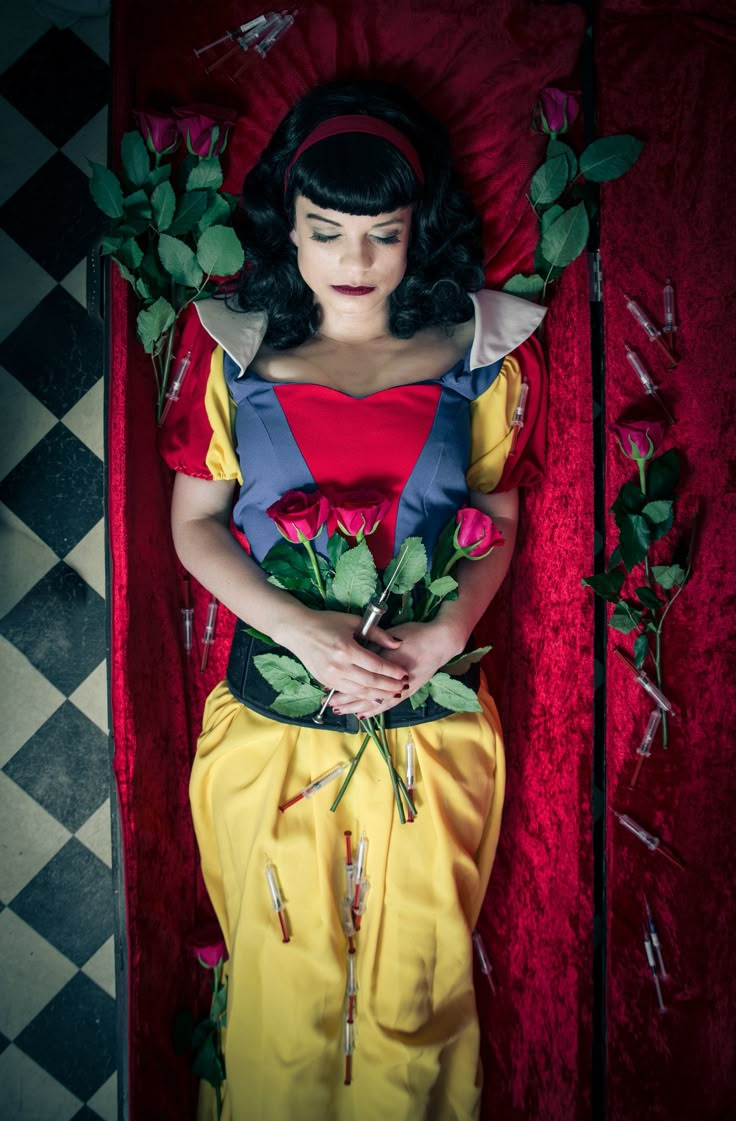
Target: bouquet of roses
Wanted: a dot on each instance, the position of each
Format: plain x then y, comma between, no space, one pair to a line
346,579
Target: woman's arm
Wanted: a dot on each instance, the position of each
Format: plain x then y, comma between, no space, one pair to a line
322,640
427,646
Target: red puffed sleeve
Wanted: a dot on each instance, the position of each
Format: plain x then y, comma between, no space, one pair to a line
196,437
492,468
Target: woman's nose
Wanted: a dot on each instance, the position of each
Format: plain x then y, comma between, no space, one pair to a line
358,254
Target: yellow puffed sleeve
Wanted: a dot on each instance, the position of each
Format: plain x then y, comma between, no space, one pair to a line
492,467
221,460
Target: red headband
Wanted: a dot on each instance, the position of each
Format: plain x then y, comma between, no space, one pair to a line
359,122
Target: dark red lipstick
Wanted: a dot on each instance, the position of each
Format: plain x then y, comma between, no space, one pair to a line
345,291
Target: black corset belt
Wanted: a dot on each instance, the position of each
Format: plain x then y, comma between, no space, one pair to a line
251,689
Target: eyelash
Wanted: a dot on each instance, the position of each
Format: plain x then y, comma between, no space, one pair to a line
391,240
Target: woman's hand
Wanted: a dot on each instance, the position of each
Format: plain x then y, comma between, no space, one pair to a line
424,648
324,641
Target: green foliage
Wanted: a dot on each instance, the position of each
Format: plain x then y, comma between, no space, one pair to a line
525,286
567,237
190,210
609,157
442,586
205,174
153,321
607,585
219,251
355,578
549,181
462,662
556,148
641,650
136,161
163,205
447,691
669,576
413,559
179,260
106,190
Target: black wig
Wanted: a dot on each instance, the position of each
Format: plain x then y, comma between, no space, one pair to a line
357,173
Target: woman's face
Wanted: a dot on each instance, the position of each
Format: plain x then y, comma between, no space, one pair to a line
352,262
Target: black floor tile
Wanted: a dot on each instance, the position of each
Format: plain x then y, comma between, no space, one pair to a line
86,1114
57,490
60,627
65,767
73,1037
58,84
3,1042
53,216
70,902
56,352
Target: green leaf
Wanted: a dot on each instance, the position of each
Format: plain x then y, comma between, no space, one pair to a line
206,173
641,649
110,244
106,190
567,237
550,216
153,321
629,500
544,267
217,212
607,585
557,148
443,586
635,537
179,261
417,699
525,286
206,1063
336,546
136,161
281,672
290,565
625,617
462,662
137,207
142,289
614,560
125,272
163,204
658,511
189,210
259,635
648,598
413,557
159,174
130,253
668,575
549,181
609,157
219,251
219,1003
663,474
445,690
355,577
299,701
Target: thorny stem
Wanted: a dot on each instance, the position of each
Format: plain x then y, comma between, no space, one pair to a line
353,765
313,561
643,485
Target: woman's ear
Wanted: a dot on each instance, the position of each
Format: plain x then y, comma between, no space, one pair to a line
294,237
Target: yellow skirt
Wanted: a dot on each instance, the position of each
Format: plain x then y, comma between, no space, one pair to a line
416,1029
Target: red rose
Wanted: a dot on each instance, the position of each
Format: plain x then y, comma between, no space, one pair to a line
639,439
359,512
476,533
299,515
160,132
555,111
208,945
205,128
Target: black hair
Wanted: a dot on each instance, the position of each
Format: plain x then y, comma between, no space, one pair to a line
357,173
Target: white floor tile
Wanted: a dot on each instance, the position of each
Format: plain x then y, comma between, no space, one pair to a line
25,150
27,700
29,837
96,34
75,282
30,283
90,143
29,1093
23,422
105,1101
91,697
20,26
88,558
96,834
33,973
24,559
101,967
85,420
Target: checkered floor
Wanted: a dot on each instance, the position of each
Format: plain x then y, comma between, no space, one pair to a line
57,905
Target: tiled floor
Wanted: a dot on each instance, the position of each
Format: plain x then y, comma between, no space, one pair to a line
57,961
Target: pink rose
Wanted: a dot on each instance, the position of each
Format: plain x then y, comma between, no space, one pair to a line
299,515
205,128
476,533
359,512
208,945
638,439
555,111
160,132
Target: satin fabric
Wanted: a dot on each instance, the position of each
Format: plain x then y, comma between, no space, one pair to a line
417,1038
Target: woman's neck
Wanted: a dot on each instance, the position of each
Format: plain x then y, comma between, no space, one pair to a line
358,328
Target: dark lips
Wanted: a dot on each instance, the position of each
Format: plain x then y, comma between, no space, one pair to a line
345,291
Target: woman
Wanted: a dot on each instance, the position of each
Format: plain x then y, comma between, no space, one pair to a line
356,358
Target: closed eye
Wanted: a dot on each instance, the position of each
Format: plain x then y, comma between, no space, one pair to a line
392,239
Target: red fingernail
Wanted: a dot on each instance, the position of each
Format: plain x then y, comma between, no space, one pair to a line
337,711
397,694
378,700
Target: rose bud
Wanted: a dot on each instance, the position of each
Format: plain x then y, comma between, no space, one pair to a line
208,945
638,439
359,513
555,111
476,533
299,515
205,128
159,132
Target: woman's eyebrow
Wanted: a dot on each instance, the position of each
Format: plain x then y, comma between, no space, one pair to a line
331,222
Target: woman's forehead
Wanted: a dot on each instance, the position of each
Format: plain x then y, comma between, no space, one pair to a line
307,209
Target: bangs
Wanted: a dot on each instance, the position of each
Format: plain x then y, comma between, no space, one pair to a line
355,173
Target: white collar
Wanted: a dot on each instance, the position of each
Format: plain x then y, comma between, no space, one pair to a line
502,322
